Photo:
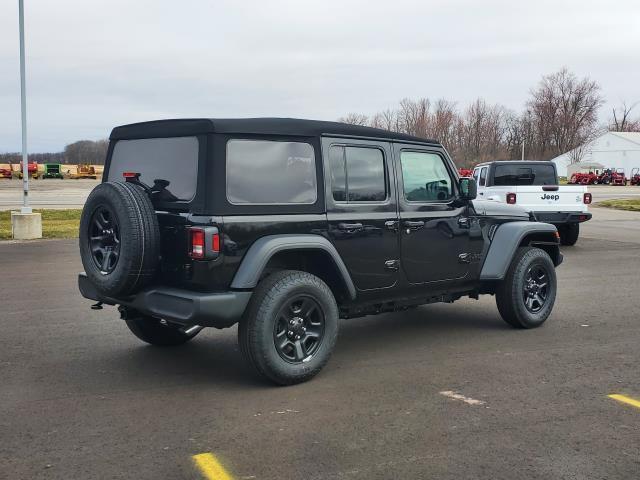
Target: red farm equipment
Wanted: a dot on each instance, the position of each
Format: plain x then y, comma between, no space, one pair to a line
5,171
583,178
612,176
634,179
465,172
32,168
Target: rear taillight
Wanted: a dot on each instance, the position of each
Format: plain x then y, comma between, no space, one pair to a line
586,198
197,243
204,243
511,198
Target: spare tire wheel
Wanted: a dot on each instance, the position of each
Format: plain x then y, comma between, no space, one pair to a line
119,238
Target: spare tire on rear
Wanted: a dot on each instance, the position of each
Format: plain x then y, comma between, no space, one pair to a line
119,238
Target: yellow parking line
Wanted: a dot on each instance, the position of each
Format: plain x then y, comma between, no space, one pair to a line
623,399
210,467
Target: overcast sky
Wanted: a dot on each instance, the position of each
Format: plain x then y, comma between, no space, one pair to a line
94,64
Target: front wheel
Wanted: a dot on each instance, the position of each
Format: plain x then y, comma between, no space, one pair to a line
527,294
156,332
290,327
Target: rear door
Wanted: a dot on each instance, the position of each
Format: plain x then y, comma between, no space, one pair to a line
362,210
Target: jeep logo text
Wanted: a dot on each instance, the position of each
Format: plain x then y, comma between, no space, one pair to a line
546,196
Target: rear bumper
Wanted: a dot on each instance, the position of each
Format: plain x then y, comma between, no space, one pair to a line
560,218
185,307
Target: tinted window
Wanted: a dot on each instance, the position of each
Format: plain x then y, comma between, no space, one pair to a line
483,176
365,175
425,177
270,172
357,174
172,159
513,174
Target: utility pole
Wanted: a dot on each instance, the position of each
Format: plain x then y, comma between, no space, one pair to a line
523,150
23,107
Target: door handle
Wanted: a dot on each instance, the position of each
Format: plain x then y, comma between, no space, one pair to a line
463,222
350,227
391,225
413,225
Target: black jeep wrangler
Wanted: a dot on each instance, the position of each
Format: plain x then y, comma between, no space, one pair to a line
285,225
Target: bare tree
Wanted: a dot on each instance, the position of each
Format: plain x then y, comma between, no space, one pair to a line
355,119
622,121
565,112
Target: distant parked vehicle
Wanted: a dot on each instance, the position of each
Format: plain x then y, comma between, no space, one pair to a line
5,171
52,170
32,168
534,186
85,171
635,177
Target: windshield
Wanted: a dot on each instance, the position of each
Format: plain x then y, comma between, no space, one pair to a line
513,174
171,164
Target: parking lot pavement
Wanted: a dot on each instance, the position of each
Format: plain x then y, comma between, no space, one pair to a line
443,391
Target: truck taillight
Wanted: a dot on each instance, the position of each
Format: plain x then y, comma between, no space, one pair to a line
586,198
197,244
215,243
511,198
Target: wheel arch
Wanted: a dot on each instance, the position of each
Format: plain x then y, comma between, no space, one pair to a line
311,253
509,236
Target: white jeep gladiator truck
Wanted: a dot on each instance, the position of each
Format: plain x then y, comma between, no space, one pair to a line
534,186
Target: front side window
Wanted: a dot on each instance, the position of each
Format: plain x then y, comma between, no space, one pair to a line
425,177
265,172
357,174
173,159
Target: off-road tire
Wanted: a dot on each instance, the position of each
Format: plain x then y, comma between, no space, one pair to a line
255,331
139,250
509,294
151,330
569,233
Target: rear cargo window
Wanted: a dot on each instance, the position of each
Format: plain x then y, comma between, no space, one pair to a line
263,172
172,159
524,175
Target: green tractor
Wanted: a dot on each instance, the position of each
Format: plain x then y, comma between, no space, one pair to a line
52,170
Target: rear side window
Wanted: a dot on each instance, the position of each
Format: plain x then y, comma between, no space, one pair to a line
513,174
483,177
357,174
172,159
264,172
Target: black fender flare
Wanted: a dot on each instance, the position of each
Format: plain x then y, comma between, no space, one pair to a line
504,244
259,254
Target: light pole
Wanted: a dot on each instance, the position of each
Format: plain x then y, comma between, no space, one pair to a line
23,107
523,150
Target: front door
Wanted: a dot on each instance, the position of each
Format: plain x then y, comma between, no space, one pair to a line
362,210
434,226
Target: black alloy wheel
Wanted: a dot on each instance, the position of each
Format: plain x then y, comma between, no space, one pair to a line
299,329
104,239
535,288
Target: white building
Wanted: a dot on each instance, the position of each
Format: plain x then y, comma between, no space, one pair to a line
612,150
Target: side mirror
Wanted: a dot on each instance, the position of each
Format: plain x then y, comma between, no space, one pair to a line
468,188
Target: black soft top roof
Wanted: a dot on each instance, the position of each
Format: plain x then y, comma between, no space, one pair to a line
255,126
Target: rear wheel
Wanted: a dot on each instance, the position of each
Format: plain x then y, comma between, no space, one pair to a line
569,233
526,296
156,332
290,327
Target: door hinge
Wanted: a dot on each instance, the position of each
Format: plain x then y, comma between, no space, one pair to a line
393,265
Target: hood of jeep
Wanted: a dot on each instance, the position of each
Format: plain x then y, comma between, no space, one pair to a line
493,208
